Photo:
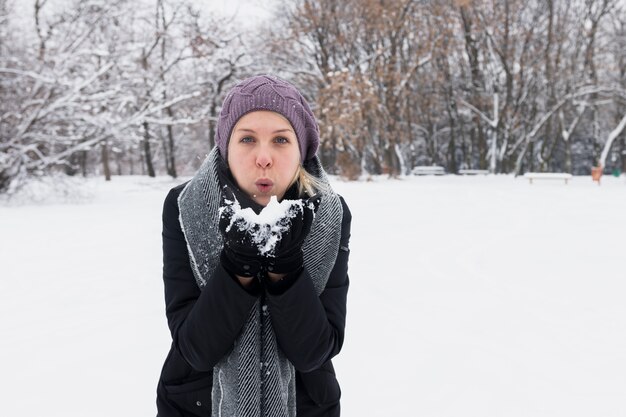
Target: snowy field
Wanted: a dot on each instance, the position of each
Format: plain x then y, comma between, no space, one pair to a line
469,296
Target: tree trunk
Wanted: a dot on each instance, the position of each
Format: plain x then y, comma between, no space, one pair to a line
212,118
623,153
547,144
105,160
333,152
472,51
482,145
568,156
143,163
118,162
166,150
70,167
131,161
171,146
505,165
146,150
83,163
452,166
391,161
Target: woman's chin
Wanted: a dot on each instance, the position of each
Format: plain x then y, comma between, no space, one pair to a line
261,199
264,198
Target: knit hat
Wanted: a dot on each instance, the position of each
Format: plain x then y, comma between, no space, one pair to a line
266,92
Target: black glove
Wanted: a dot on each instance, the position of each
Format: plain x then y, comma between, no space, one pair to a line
287,256
240,254
251,248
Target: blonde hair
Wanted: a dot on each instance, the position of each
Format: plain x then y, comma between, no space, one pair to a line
307,183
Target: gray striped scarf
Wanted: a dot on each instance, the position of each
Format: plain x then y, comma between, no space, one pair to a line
254,379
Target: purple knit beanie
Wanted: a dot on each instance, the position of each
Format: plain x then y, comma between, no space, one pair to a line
266,92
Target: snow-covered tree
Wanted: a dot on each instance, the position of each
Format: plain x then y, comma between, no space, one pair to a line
110,83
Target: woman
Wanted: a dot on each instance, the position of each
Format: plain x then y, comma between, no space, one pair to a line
254,331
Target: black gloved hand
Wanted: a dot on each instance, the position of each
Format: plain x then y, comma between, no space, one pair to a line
287,256
249,248
240,254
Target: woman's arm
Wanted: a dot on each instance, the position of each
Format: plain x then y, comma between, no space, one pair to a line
310,329
204,324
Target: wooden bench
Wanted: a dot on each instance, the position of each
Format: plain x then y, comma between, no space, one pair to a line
547,176
473,172
428,170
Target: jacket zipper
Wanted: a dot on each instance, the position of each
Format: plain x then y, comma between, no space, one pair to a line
263,366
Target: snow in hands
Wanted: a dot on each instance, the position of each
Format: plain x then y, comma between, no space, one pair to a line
266,228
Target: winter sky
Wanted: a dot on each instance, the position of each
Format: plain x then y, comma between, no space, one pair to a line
249,11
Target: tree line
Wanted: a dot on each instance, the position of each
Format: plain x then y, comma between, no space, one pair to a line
120,87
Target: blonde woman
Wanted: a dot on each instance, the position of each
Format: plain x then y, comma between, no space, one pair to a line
255,267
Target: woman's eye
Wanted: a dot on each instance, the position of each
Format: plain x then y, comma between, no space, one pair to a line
281,139
246,139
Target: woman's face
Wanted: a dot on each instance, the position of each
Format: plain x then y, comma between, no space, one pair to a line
263,155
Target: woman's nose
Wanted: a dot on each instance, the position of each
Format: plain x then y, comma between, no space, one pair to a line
263,158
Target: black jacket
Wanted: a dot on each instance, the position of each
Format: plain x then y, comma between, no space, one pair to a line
204,324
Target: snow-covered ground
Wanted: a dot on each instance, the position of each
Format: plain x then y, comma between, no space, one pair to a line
469,296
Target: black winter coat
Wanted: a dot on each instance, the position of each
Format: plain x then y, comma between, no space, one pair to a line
204,325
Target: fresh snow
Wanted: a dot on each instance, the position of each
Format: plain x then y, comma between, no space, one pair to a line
266,228
469,296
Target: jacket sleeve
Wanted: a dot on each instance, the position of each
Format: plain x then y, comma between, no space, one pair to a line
310,329
204,324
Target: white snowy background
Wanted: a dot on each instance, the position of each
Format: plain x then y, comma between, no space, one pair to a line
470,296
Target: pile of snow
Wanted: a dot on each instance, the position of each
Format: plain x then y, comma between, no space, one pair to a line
266,228
54,189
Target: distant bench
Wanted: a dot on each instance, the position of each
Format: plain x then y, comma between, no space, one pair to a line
547,176
473,172
428,170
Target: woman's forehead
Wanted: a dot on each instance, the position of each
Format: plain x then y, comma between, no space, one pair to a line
262,118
